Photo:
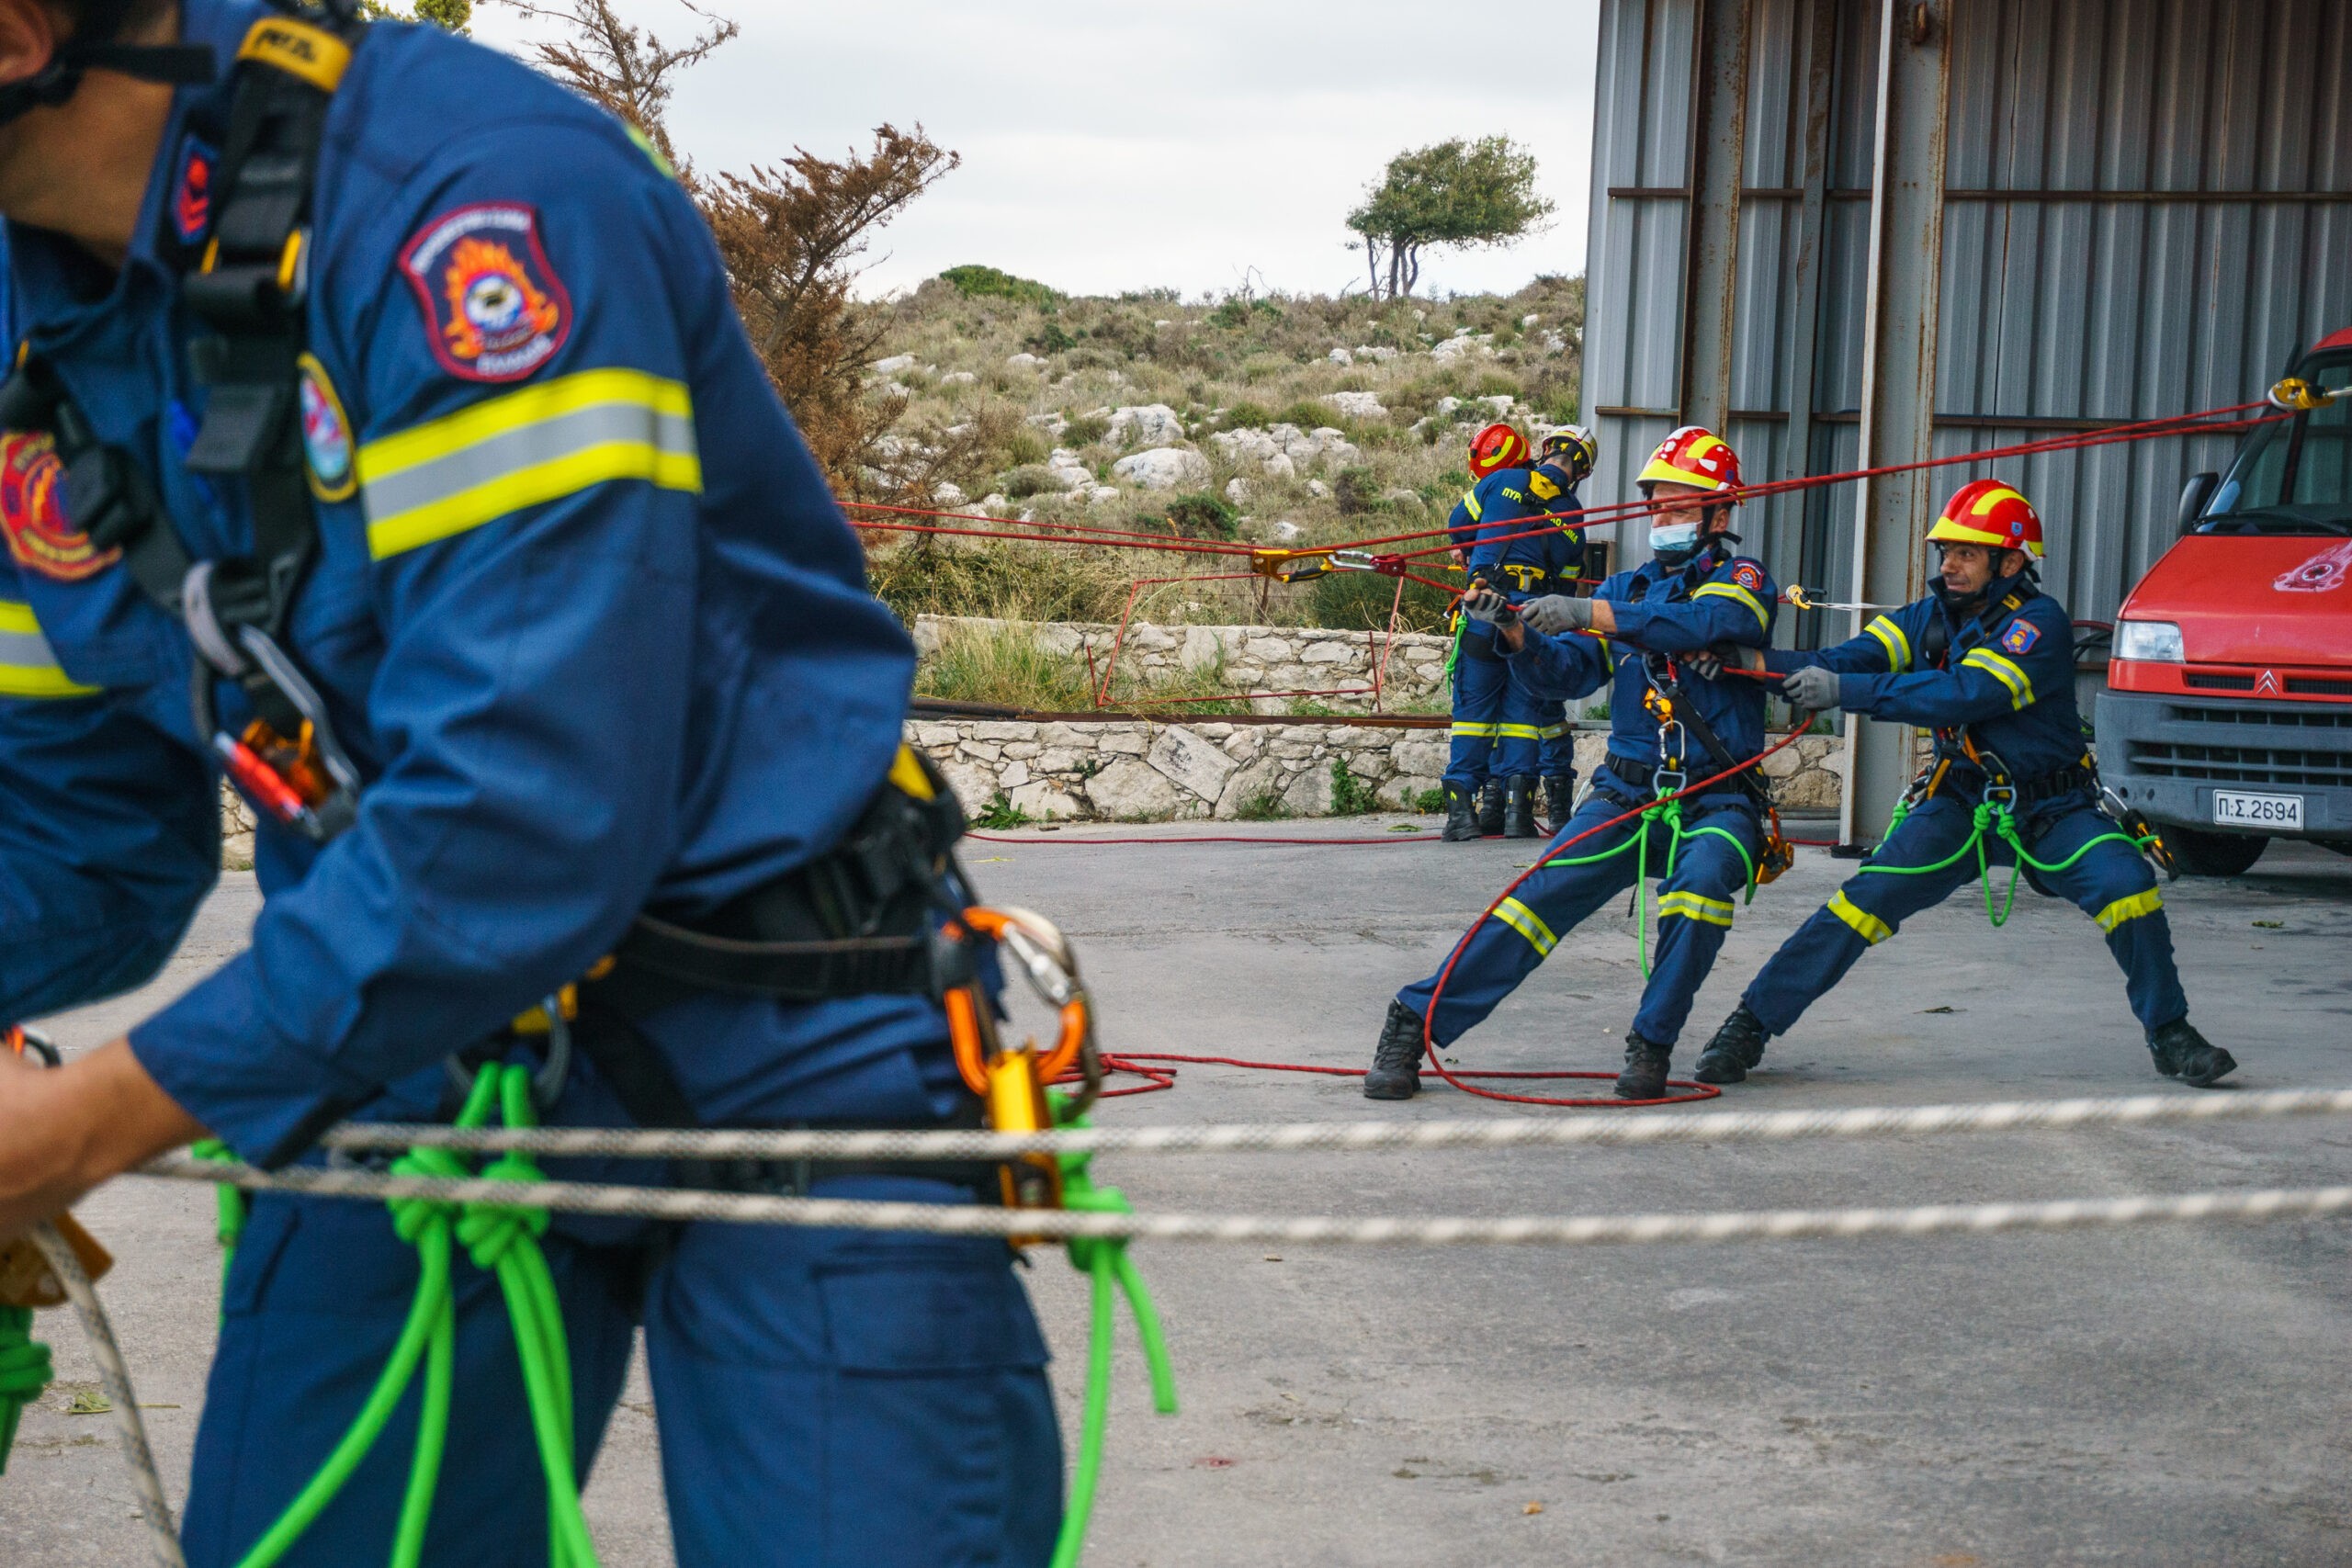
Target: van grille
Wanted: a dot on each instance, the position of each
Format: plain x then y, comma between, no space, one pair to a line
2241,764
2317,718
2206,682
2304,687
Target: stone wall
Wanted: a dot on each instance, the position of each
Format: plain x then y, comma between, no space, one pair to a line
1255,658
1133,771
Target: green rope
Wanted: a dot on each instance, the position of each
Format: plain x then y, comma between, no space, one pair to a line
2003,822
1105,1259
1669,811
25,1372
499,1239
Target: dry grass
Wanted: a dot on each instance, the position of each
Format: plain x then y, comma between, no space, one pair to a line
1243,363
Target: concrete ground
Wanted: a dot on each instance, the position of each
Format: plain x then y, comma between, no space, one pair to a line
2164,1395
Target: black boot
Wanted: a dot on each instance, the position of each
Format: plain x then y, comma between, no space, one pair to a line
1518,808
1645,1073
1397,1060
1559,799
1490,809
1461,815
1737,1047
2182,1052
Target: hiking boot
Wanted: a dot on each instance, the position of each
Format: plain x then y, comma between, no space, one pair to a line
2182,1052
1737,1047
1518,808
1461,815
1559,800
1397,1061
1490,810
1645,1073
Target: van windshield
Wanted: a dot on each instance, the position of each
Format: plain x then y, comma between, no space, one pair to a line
2294,477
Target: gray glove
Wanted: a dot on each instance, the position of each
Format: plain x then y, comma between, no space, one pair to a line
1557,613
1486,604
1814,687
1704,665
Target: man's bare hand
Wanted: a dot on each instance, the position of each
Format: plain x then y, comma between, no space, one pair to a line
65,1130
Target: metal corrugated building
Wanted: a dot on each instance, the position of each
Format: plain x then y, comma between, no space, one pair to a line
1851,230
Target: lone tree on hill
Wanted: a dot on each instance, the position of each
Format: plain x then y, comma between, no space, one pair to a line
1453,193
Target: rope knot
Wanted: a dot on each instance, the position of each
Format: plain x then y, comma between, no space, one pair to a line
489,1231
413,1216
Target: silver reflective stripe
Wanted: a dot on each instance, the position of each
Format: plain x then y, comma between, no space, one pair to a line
549,440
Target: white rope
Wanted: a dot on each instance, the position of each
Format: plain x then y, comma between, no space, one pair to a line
1616,1127
114,1378
942,1219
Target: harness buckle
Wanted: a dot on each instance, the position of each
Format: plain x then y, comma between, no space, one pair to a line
305,781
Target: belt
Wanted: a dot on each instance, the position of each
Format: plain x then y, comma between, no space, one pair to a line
797,1178
1643,777
2049,786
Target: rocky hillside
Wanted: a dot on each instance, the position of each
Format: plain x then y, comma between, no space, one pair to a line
1267,419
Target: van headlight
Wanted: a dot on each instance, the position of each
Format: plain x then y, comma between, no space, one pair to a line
2157,642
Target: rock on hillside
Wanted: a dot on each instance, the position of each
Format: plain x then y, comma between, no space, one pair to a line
1152,424
1163,467
1286,451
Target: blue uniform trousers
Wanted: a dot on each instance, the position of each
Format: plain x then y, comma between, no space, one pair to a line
1694,913
2111,883
825,1398
1556,743
1499,723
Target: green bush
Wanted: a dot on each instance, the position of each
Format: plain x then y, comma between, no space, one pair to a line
1024,447
1036,583
1085,430
1248,416
1030,479
986,282
1266,806
999,812
1050,339
1357,492
1004,667
1238,311
1202,516
1308,415
1431,799
1351,796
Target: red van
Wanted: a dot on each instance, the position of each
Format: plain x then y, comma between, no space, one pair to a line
2228,714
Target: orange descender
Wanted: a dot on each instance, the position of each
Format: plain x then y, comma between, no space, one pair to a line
1011,1081
26,1278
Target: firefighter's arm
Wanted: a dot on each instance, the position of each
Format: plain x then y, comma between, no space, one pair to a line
2032,658
109,832
1737,604
531,530
1883,649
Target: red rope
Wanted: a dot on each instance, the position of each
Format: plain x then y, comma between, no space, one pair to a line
1165,1077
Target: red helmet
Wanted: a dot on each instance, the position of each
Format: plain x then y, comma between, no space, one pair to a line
1990,511
1496,446
1693,455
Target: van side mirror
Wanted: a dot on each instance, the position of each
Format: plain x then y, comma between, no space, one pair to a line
2193,497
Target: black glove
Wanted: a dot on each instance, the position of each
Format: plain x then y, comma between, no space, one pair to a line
1813,687
1484,605
1557,613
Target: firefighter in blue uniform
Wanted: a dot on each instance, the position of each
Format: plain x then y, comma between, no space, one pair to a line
1521,558
1564,459
1473,785
596,644
1986,660
1657,627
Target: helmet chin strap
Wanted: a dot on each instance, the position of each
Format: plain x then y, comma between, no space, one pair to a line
171,64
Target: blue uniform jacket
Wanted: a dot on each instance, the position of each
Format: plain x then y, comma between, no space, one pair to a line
585,614
1715,598
2007,676
1546,559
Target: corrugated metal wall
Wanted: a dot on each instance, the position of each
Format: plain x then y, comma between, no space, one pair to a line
2148,209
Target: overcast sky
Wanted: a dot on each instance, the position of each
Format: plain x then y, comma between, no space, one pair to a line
1110,147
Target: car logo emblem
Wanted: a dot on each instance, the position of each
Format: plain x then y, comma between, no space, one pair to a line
2267,681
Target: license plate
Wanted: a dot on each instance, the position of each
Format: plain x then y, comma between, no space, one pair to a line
2232,810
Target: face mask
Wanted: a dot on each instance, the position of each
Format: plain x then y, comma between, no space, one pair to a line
1674,543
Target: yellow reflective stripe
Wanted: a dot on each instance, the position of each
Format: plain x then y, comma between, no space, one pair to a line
1897,646
1470,505
2006,670
1551,733
28,667
2129,908
1868,926
1519,732
540,443
1696,907
1475,731
1733,590
1529,924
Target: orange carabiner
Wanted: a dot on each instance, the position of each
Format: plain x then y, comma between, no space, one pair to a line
1042,938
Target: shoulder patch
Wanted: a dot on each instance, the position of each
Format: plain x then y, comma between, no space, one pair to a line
493,306
2020,636
1748,575
326,434
192,190
33,513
